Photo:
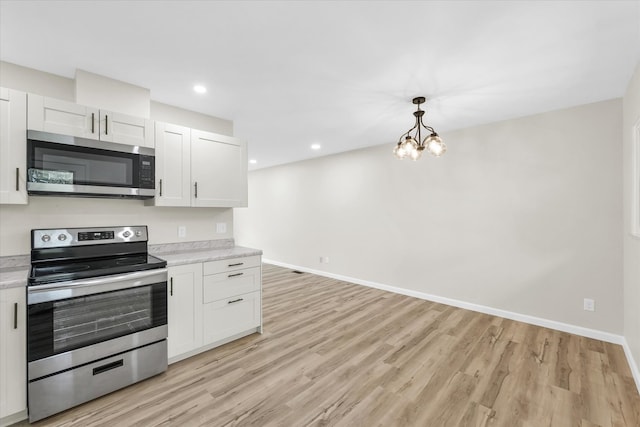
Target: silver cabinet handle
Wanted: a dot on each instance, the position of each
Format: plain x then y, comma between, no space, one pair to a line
196,189
171,287
160,187
236,264
235,275
93,123
15,315
235,300
106,124
17,179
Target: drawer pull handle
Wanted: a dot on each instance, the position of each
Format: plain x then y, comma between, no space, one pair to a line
235,275
15,315
108,367
236,264
235,300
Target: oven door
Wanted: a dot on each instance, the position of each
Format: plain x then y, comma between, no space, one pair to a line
79,321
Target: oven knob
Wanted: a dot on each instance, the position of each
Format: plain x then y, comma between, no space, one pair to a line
138,233
62,237
126,234
46,237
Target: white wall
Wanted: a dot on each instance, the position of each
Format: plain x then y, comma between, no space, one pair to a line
104,93
631,108
522,215
16,221
29,80
171,114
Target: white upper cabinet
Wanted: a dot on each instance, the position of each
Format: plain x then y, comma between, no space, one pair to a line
124,129
173,165
13,147
197,168
68,118
218,170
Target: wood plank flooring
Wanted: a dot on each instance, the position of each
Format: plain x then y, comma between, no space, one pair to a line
334,353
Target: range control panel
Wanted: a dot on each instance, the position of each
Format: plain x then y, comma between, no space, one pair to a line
64,237
95,235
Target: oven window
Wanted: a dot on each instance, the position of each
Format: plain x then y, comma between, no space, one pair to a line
65,164
59,326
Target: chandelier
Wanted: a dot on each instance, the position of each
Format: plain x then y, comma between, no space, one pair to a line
412,146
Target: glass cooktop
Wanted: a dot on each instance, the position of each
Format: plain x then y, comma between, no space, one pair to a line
51,272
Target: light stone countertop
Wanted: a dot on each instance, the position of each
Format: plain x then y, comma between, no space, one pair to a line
14,271
191,257
14,277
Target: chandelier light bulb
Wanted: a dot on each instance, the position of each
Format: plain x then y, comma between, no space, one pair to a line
434,145
399,151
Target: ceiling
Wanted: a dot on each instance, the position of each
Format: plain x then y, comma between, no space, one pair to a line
337,73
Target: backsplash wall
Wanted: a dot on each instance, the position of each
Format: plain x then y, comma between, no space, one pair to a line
16,221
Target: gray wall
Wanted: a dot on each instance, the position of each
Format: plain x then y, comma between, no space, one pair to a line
522,215
631,243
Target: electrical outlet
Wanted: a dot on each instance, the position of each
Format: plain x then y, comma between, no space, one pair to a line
589,304
324,260
221,227
182,231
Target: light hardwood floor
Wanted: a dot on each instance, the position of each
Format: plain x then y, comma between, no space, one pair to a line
335,353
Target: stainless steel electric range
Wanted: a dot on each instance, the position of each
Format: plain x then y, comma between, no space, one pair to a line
96,315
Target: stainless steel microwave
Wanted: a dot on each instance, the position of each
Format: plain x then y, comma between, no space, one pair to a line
64,165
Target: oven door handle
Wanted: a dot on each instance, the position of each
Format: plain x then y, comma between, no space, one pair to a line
76,288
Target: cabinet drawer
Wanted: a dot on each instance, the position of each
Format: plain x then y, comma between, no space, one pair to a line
230,316
224,265
225,285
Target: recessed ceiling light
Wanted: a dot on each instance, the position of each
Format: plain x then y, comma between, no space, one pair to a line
199,89
315,146
253,161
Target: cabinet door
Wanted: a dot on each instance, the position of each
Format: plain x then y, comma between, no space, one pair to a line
66,118
13,147
184,309
124,129
173,165
218,170
13,358
230,316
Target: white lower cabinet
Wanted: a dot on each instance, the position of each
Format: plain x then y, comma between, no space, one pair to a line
184,309
13,359
212,303
230,316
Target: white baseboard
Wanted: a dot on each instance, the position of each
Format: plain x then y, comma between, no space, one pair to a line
538,321
635,371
